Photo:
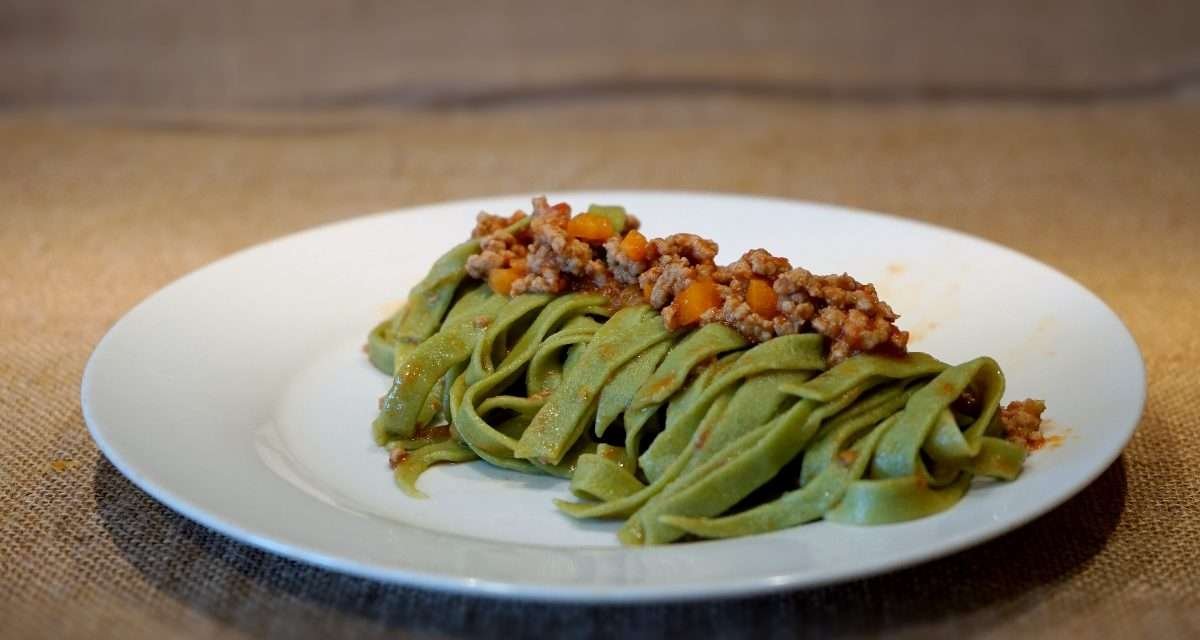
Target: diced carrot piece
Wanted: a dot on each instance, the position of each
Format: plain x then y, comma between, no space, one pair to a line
762,299
692,302
590,227
501,280
634,245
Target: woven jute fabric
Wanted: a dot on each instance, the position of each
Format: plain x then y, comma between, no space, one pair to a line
97,211
287,53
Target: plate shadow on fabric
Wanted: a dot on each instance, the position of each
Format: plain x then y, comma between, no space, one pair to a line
239,585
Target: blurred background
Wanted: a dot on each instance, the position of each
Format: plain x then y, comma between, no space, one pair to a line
227,54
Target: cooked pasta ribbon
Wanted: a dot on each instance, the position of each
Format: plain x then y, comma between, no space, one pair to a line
692,432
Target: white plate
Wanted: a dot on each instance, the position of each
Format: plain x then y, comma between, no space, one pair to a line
240,397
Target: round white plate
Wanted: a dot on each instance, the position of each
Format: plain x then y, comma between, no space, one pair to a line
240,397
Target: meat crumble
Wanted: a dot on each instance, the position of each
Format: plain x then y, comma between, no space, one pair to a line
759,295
554,256
498,248
1022,422
487,224
674,263
840,308
625,268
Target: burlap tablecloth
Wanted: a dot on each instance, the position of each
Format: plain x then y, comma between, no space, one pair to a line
99,211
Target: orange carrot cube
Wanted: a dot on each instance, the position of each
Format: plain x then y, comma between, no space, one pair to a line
590,227
501,280
692,302
762,299
634,245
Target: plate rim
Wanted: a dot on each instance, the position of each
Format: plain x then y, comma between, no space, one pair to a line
593,594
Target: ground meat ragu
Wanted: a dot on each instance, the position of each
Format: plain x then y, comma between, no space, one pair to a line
850,314
554,256
487,224
677,261
667,278
1022,422
548,259
498,249
625,269
736,311
689,246
759,263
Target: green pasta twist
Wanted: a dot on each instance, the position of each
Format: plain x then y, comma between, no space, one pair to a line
693,433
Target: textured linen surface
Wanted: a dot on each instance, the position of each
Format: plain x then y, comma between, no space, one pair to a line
98,211
286,53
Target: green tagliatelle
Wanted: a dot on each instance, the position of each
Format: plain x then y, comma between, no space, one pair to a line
677,433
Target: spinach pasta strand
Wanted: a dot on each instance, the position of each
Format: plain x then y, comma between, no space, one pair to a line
679,430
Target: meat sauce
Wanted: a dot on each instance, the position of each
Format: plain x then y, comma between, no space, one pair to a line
759,295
